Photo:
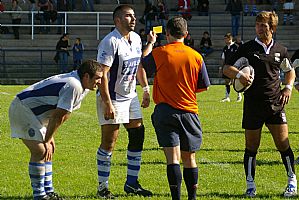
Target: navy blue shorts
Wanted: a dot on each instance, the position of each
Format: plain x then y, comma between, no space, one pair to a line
176,127
256,114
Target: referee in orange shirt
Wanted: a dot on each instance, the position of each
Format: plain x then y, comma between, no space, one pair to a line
180,73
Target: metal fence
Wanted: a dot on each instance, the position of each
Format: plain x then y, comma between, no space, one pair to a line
97,24
38,63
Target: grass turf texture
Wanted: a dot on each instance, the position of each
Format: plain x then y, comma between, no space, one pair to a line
220,161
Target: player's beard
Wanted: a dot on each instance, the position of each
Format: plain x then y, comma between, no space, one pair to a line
131,27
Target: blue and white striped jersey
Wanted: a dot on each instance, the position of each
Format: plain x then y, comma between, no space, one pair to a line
123,57
60,91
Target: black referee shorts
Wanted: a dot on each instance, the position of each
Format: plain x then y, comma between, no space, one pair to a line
176,127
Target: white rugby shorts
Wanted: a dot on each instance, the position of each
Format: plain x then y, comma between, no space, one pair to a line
24,124
288,6
124,111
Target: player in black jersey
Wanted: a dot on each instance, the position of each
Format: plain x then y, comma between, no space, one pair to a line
264,101
228,51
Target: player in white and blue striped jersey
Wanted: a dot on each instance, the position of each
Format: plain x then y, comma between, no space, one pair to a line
119,54
38,111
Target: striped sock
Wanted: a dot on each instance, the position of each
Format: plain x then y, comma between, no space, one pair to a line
37,177
134,162
104,163
48,178
285,17
291,17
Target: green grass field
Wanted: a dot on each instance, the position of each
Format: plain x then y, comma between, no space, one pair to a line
220,161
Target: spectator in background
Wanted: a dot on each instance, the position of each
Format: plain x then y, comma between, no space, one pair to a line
162,12
288,10
151,17
16,18
250,3
2,7
184,9
189,41
3,29
147,4
143,37
203,7
45,6
31,7
206,44
62,5
235,8
90,4
78,49
62,48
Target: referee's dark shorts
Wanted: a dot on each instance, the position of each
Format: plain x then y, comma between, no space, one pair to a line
177,127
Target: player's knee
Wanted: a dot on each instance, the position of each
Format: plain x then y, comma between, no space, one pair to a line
136,138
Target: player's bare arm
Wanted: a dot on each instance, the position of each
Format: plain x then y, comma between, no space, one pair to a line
233,72
109,112
57,118
287,91
142,79
151,39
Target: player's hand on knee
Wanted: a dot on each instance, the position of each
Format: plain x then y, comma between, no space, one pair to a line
53,146
49,151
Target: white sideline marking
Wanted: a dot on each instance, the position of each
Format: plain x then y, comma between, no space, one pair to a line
4,93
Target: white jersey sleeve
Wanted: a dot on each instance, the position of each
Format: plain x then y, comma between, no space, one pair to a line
107,50
70,96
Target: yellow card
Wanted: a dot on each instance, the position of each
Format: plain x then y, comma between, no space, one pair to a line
157,29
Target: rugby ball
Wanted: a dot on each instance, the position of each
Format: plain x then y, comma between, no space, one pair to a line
238,86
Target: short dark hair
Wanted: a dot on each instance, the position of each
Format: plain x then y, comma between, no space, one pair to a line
118,11
90,67
228,35
177,27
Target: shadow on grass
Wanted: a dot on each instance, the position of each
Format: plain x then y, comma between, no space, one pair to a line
16,197
239,196
258,162
90,196
208,195
226,132
144,149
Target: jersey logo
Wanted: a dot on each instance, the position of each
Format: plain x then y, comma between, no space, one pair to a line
138,50
255,55
277,57
31,132
130,66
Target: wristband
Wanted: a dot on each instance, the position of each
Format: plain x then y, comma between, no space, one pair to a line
152,43
288,86
239,74
146,88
